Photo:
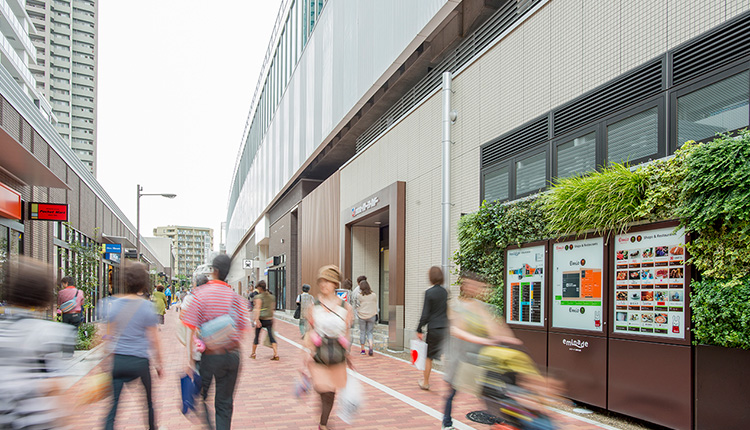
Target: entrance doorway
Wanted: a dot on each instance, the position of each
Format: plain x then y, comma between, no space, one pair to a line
384,276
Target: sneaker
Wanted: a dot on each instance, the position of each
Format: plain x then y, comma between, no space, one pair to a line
362,352
448,428
370,353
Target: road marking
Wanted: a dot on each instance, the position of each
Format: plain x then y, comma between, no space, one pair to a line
391,392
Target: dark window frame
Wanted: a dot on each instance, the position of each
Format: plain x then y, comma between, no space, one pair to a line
580,132
698,84
535,150
492,169
657,102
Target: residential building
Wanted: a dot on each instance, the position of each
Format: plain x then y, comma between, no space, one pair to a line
193,246
65,37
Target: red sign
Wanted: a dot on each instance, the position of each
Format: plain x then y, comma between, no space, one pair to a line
48,211
10,203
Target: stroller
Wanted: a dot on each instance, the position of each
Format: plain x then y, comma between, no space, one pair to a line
511,386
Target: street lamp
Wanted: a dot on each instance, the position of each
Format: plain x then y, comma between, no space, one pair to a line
138,218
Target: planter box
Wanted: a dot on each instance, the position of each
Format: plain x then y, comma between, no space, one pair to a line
722,387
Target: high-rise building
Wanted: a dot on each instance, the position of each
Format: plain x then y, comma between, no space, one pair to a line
193,245
65,36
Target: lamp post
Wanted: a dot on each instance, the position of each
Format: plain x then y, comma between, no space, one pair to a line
138,218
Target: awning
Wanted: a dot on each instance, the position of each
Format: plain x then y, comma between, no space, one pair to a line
124,241
24,166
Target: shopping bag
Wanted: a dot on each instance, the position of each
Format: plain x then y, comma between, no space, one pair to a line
350,400
418,353
190,387
95,388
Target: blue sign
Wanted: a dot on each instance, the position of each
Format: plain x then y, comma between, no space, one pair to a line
113,248
343,294
112,256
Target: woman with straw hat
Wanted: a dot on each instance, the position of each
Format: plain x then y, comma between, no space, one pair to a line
327,340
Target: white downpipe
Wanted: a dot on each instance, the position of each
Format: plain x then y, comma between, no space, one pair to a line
446,204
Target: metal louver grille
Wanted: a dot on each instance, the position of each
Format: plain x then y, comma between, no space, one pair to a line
468,49
611,97
722,46
518,140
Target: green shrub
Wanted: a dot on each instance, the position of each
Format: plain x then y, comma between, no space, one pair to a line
86,336
603,201
484,235
663,186
721,312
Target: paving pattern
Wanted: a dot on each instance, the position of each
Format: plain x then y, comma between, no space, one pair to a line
264,397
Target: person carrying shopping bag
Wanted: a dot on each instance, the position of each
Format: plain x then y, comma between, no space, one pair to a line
330,319
134,321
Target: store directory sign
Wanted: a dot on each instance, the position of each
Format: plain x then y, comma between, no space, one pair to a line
649,280
524,286
577,284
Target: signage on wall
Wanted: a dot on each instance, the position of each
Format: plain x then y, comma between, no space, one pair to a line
10,203
577,284
112,248
575,345
112,256
365,206
247,264
650,283
525,286
48,211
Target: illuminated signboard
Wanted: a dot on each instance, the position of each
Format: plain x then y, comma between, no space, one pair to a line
48,211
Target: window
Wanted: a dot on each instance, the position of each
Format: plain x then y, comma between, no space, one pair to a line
496,183
634,138
576,156
531,173
716,108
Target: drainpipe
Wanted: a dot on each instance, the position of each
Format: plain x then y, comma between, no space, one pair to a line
446,205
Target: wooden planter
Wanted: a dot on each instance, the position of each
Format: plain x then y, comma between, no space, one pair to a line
722,387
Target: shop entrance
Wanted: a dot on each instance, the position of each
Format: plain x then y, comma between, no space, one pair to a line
277,282
373,246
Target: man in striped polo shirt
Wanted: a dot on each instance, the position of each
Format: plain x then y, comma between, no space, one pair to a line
213,300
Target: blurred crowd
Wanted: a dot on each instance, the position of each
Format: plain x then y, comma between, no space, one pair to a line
479,353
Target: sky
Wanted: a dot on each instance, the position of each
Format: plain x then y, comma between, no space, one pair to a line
175,85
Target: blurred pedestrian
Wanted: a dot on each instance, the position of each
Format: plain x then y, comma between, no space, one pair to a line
264,304
216,302
168,293
160,301
305,301
70,302
31,351
435,317
367,312
133,321
330,319
473,325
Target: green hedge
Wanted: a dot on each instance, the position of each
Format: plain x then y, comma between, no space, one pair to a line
705,186
86,336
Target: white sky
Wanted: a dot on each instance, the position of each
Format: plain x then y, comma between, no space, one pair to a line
176,80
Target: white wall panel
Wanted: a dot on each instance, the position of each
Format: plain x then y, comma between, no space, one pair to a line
351,48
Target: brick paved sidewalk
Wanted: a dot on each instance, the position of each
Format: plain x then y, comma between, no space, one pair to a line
264,397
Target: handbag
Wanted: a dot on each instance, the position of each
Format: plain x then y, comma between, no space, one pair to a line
70,304
330,351
297,311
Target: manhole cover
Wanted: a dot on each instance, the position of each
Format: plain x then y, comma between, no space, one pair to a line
482,417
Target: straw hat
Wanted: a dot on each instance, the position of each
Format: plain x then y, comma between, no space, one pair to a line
330,273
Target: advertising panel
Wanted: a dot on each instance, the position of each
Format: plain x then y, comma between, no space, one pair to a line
48,211
524,286
577,284
649,283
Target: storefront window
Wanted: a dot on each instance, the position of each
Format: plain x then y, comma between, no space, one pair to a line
633,138
576,156
717,108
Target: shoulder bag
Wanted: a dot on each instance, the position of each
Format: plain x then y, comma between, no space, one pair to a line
330,351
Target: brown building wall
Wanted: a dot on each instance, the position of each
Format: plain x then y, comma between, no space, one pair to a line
319,230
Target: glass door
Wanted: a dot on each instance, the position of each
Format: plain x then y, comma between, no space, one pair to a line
384,276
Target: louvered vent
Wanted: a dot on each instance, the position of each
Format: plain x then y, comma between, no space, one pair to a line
727,43
613,96
468,49
515,141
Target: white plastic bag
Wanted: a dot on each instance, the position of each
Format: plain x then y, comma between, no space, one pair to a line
418,353
350,399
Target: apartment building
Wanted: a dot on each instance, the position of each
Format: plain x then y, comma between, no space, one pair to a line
65,36
193,246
